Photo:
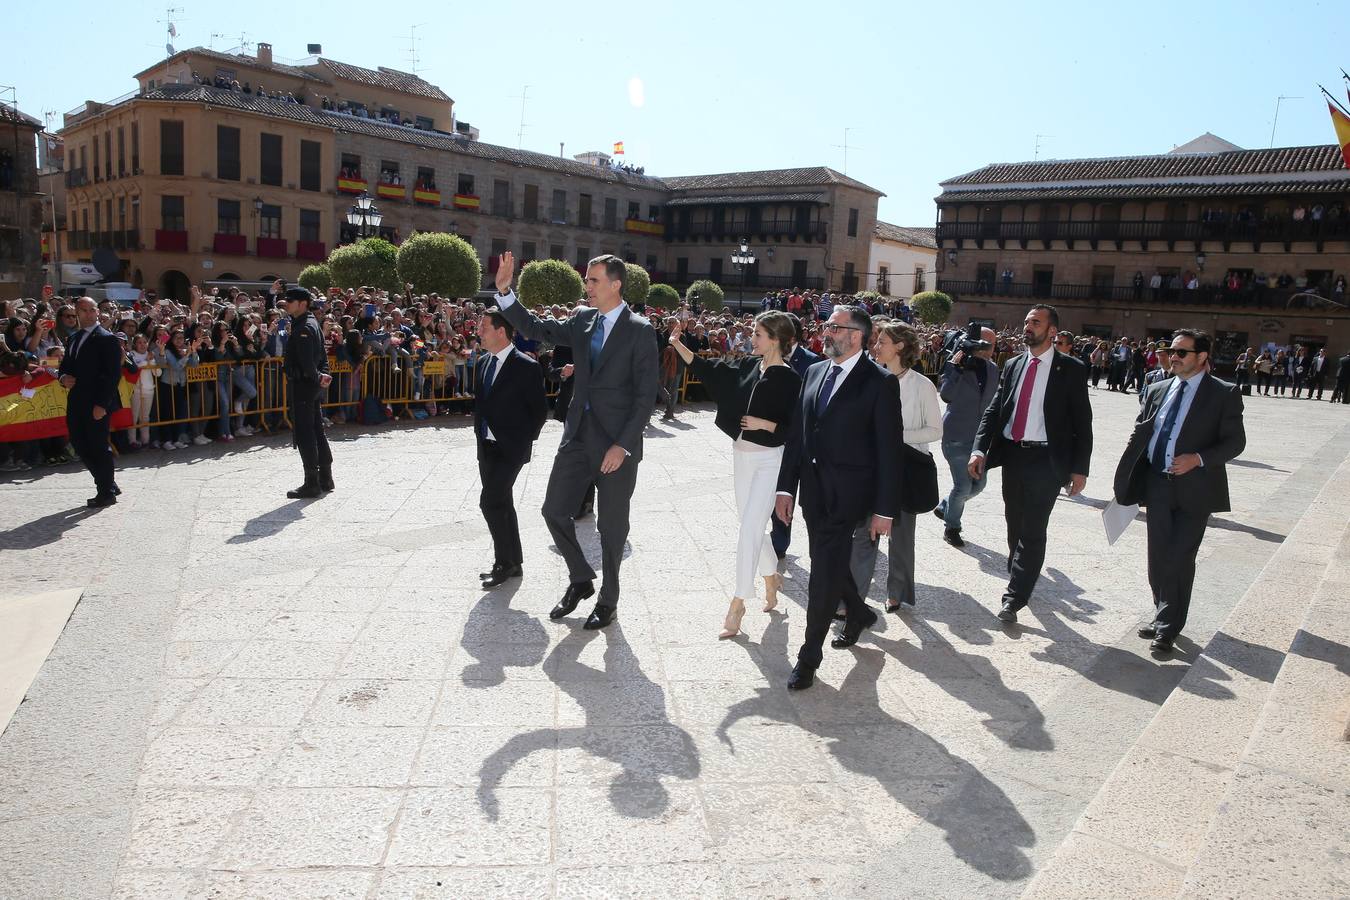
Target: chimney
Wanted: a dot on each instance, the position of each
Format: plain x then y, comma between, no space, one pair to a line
265,53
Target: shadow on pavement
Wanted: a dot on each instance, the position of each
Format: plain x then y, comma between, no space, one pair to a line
44,531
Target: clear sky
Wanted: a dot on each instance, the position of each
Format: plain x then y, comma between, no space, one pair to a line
928,91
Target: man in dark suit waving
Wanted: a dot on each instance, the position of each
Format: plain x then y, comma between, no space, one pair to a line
508,413
91,370
1189,426
615,372
843,454
1039,428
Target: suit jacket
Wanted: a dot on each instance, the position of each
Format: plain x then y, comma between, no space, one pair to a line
562,357
1343,368
1213,428
514,407
803,359
1067,411
621,390
846,462
97,370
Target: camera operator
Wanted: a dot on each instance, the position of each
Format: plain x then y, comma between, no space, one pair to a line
969,382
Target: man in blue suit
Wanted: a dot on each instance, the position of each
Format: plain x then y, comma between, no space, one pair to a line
90,370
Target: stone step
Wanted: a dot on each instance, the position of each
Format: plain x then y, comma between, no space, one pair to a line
1147,824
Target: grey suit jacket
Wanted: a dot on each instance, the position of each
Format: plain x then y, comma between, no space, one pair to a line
621,390
1213,429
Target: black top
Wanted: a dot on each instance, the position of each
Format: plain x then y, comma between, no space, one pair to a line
306,356
740,389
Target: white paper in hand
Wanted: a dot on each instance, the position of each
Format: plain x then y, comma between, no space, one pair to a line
1116,519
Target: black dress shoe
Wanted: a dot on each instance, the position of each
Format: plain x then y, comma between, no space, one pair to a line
601,616
500,575
1007,614
849,634
802,677
101,500
116,491
575,593
1162,644
1148,631
953,537
307,491
326,480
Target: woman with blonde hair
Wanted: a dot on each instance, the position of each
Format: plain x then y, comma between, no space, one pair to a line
896,347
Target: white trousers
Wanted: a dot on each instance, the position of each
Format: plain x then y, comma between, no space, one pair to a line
142,402
756,475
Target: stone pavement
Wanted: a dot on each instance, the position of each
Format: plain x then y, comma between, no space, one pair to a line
258,697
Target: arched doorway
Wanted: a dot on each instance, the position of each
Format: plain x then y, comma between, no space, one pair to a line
174,285
227,276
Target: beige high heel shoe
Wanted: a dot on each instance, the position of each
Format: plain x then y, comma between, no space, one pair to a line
772,584
732,626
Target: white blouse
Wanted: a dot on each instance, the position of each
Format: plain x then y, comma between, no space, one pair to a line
919,410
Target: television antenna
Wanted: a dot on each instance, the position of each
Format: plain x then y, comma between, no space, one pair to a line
211,44
520,135
1278,100
412,45
1036,154
170,26
845,147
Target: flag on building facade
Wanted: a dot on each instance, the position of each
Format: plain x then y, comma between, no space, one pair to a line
1341,122
618,148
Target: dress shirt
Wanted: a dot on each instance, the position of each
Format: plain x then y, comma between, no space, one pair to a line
502,356
611,318
82,335
1192,385
1035,428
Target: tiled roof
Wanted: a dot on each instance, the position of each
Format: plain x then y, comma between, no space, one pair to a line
238,59
918,237
1319,158
298,112
772,178
10,114
389,79
1161,190
809,197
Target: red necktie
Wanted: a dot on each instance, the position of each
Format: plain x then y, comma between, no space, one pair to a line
1024,401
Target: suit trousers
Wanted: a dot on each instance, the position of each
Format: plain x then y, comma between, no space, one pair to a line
575,469
831,584
498,472
307,419
900,547
756,477
90,440
780,536
1174,537
1029,491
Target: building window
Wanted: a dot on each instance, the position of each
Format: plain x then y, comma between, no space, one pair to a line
611,213
425,124
715,268
227,155
557,213
309,225
501,197
852,223
107,155
311,166
121,213
269,163
651,263
227,216
498,248
920,281
850,280
527,251
555,251
389,173
682,269
98,218
351,167
121,151
531,202
135,148
634,209
269,221
171,214
426,179
464,185
583,257
584,211
96,172
653,213
170,148
883,279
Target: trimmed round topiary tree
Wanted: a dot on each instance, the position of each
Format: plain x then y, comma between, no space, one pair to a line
373,262
636,283
869,296
316,278
442,263
932,307
710,294
549,282
663,296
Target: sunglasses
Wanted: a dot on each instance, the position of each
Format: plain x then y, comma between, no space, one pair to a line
1182,353
833,328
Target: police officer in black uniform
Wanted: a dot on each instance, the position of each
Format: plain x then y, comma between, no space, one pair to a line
307,380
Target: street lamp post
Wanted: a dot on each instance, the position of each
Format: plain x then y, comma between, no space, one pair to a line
365,216
743,258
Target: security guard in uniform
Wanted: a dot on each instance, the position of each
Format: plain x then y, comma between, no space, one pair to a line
307,378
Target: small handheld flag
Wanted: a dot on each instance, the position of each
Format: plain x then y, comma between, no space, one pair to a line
618,148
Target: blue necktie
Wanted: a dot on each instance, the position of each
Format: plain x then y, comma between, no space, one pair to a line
487,387
597,341
823,398
1165,436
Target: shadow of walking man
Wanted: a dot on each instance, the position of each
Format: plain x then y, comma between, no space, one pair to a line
625,723
978,821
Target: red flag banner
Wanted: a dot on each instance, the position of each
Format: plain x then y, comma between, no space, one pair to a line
29,412
1342,125
618,148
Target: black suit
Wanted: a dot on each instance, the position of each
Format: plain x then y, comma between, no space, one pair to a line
846,465
1033,475
513,410
1179,506
1342,380
780,534
96,366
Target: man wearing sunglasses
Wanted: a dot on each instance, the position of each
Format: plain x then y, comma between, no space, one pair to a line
1190,425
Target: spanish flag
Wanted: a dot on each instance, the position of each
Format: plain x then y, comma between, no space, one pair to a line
618,148
1342,124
